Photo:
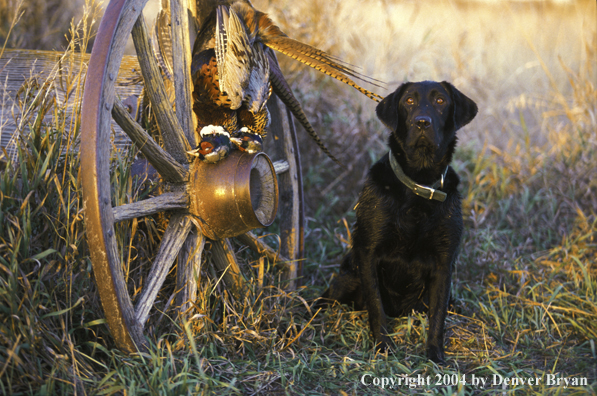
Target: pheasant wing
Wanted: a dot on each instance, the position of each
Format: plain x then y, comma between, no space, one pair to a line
234,55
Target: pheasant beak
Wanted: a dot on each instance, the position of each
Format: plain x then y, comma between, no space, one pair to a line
237,141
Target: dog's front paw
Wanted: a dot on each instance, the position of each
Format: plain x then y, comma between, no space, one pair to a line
436,354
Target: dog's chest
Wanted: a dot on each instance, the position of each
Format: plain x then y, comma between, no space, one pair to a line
401,224
413,230
412,218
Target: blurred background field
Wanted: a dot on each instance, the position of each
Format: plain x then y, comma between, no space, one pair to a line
525,286
507,56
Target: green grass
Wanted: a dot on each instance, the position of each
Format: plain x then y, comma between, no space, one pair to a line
525,289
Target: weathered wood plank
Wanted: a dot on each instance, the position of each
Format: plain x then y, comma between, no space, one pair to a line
164,163
20,65
166,201
179,227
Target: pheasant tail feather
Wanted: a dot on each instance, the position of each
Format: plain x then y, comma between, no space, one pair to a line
283,91
338,73
276,39
162,42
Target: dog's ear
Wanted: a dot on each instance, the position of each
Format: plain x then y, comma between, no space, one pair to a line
464,107
387,109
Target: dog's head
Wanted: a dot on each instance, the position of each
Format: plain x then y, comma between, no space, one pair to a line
424,117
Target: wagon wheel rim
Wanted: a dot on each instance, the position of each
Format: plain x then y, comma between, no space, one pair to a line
99,104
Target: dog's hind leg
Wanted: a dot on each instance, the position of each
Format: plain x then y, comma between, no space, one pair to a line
344,288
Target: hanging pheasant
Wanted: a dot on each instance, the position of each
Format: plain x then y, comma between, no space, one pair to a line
234,71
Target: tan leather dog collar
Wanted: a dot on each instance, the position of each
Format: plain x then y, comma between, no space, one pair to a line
432,192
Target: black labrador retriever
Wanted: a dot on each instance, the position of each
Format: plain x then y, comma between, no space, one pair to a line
409,218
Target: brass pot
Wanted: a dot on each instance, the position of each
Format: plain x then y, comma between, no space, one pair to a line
235,195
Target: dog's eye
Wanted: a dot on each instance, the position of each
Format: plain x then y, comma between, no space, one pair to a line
440,101
410,100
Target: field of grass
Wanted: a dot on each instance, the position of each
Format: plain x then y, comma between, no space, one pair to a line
525,288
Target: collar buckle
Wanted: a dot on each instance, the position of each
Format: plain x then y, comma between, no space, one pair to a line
425,192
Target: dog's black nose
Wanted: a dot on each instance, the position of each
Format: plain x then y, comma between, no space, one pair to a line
423,122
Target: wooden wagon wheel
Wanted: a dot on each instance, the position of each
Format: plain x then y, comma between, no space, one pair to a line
183,237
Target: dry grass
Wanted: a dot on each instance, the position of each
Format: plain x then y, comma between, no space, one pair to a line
43,24
525,285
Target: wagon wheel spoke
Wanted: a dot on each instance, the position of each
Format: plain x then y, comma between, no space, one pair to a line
281,166
150,206
169,168
173,135
172,242
181,67
262,248
188,270
225,262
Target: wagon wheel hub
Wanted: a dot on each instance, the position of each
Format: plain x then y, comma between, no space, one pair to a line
236,195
